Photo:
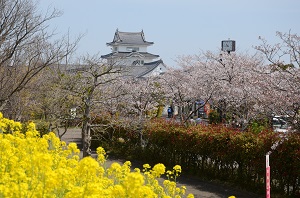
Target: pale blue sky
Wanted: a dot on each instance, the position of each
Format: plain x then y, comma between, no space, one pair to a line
177,27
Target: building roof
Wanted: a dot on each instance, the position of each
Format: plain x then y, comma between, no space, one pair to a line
155,63
141,71
128,54
151,66
136,71
133,38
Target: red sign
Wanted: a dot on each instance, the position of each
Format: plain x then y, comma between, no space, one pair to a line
207,108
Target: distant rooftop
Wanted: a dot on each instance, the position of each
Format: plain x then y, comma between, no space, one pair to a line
133,38
128,71
141,71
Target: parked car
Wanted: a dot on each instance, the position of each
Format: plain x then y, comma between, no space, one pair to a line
280,124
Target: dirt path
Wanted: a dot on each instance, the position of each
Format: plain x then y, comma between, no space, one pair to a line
194,185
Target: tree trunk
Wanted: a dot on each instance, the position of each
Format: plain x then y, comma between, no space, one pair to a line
86,129
86,139
3,104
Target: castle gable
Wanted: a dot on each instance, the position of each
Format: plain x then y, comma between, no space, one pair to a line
129,38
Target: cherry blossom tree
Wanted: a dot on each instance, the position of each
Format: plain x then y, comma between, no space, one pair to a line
242,86
282,89
177,90
225,80
143,97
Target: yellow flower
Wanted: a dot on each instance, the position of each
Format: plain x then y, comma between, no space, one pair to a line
121,140
158,170
177,168
118,191
146,166
34,166
73,148
190,196
31,130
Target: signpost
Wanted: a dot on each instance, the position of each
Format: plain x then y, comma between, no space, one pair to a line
268,178
228,46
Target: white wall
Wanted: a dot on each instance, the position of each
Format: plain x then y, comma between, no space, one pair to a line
124,48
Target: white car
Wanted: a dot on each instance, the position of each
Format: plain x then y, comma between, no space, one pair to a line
279,124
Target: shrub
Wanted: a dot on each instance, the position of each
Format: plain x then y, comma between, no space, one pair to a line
219,152
214,117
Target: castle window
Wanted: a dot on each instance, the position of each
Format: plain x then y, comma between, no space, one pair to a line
138,62
132,49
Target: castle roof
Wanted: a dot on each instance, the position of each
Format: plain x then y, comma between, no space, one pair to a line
142,71
151,66
132,38
128,54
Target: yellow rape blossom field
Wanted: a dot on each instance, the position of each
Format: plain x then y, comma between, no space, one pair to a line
34,166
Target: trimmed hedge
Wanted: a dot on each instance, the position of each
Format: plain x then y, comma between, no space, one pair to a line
217,152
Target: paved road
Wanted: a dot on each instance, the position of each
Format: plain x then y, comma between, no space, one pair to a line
196,186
